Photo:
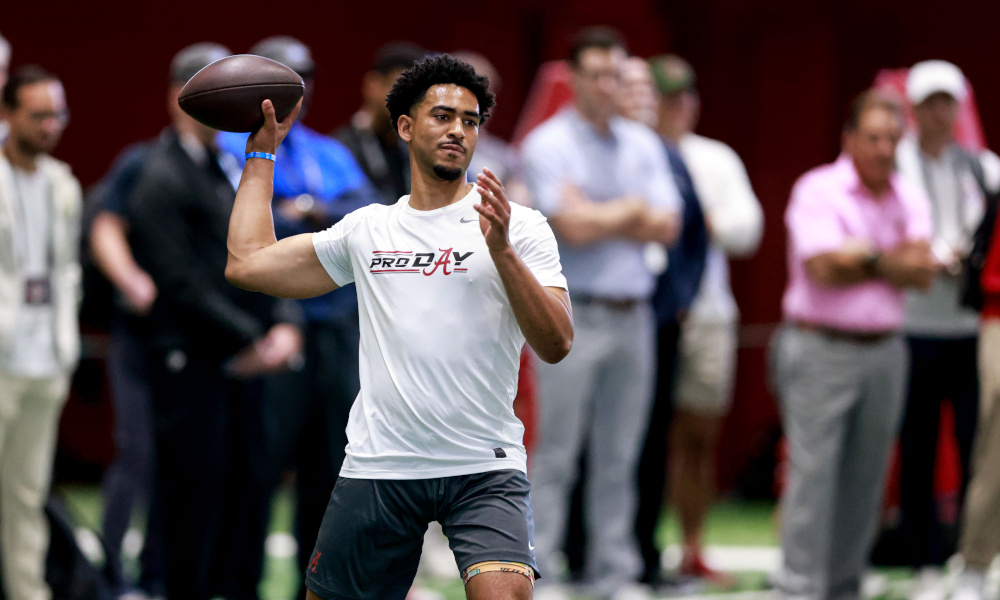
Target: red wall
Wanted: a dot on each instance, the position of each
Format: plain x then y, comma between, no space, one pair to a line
775,76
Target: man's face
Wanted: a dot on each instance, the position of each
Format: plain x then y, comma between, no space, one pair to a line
873,145
185,123
638,98
936,114
679,111
376,87
40,117
442,130
597,80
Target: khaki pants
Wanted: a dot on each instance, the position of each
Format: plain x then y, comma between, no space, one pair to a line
29,420
980,540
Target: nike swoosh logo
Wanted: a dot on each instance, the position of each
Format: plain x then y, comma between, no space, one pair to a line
531,547
464,220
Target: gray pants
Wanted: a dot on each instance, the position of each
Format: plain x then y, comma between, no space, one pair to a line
841,405
600,394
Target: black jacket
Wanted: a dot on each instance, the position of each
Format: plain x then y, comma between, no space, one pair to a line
179,220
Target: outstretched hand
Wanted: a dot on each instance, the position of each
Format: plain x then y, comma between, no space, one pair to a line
494,210
272,132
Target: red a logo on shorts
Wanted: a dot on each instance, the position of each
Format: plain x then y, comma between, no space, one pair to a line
315,560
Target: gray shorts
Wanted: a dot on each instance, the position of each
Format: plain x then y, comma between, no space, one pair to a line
373,530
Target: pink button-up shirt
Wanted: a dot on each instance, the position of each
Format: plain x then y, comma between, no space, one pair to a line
830,210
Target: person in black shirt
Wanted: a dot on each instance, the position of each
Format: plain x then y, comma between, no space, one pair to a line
370,135
209,345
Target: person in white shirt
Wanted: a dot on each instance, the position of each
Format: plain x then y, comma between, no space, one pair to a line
707,353
4,66
943,334
40,204
451,281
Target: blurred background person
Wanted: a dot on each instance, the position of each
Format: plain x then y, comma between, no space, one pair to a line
491,151
209,345
129,481
706,367
676,288
979,543
41,203
942,334
316,182
859,235
369,135
604,184
4,67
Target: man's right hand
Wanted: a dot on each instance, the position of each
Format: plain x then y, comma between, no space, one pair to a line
139,292
272,132
911,264
276,352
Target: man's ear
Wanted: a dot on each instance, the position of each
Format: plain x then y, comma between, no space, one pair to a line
404,127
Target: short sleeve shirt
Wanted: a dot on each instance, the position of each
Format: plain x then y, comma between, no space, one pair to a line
628,160
440,346
831,210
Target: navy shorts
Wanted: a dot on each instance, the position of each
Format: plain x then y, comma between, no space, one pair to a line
373,530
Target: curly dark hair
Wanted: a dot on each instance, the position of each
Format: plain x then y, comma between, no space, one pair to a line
411,87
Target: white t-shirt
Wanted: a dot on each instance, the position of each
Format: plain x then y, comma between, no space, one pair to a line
730,205
33,353
440,347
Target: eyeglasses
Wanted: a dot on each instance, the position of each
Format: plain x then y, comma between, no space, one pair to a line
613,75
40,117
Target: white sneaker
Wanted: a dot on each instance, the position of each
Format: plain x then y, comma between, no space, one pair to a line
970,585
874,585
930,584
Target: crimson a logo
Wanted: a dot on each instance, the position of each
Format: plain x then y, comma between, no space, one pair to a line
386,262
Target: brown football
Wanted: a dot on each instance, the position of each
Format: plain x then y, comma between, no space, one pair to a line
226,95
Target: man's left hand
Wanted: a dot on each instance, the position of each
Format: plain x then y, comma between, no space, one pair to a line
494,211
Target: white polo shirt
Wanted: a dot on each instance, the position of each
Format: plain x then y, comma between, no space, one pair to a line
440,347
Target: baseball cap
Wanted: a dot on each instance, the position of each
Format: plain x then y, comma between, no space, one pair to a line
194,58
397,55
932,76
671,73
288,51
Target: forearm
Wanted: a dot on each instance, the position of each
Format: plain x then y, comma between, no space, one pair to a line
595,222
837,269
251,226
737,228
544,316
655,225
111,250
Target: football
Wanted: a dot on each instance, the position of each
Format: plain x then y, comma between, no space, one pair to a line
227,94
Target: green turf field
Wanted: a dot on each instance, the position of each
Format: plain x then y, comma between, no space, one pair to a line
740,536
731,525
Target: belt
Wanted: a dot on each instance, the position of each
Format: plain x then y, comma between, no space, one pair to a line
619,304
859,337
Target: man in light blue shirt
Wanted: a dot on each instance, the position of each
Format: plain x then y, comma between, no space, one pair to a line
605,185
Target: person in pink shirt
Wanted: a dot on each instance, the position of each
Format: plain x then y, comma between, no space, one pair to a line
859,235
